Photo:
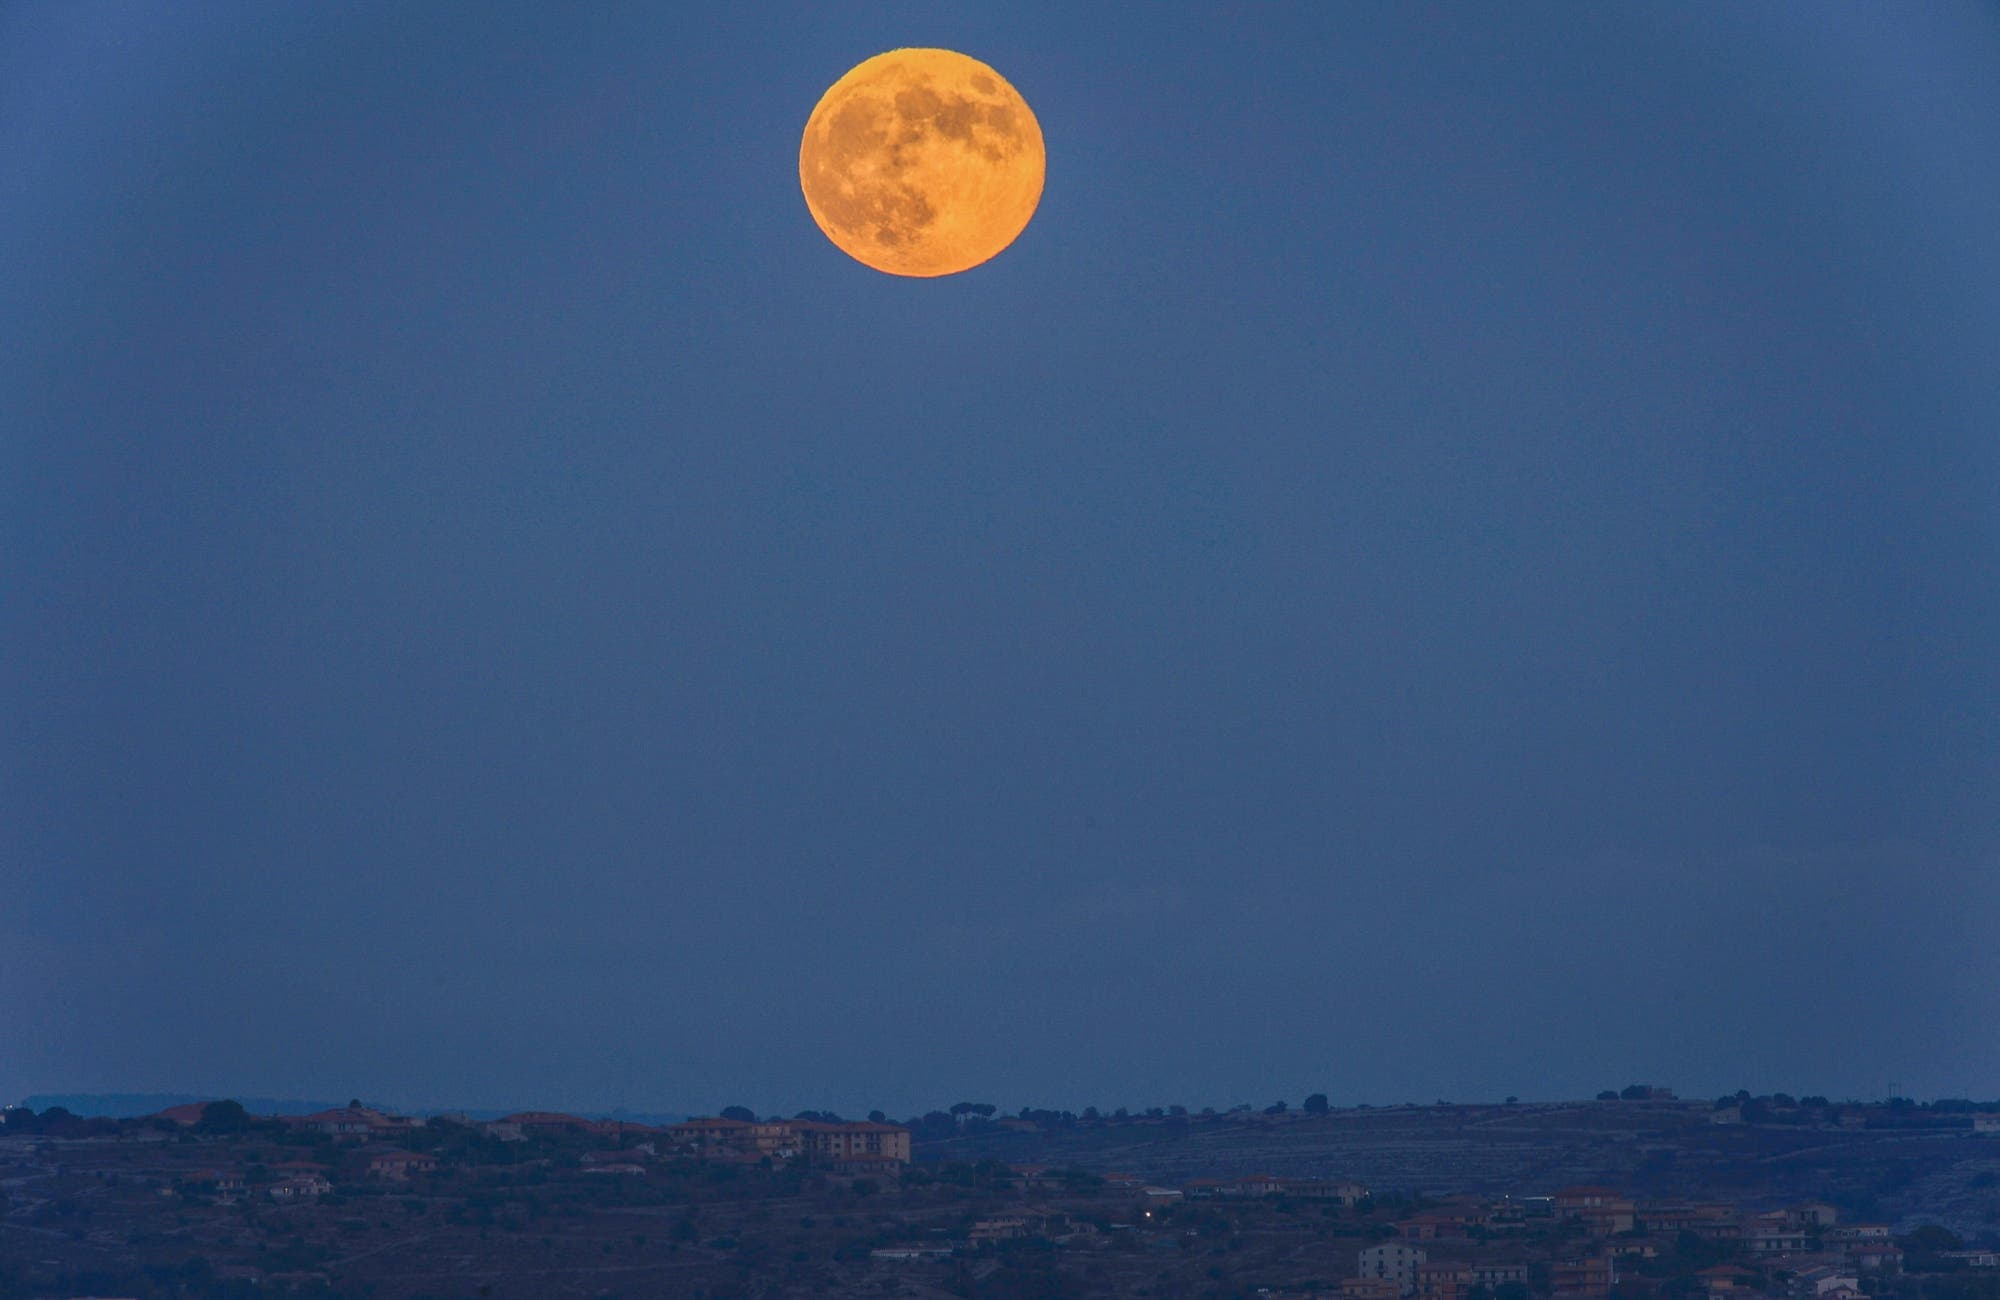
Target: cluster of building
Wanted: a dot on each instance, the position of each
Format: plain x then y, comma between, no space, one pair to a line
1827,1259
841,1147
1450,1249
861,1146
1339,1191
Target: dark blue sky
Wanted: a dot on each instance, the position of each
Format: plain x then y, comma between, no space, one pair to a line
1459,554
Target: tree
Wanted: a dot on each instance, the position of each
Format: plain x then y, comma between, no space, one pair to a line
877,1117
743,1113
1315,1104
1276,1108
223,1117
1931,1239
1635,1092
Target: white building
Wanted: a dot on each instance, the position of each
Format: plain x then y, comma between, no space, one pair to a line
1393,1261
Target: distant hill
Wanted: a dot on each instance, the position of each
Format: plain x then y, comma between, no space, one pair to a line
131,1105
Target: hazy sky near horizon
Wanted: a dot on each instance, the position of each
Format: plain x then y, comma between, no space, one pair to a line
1458,555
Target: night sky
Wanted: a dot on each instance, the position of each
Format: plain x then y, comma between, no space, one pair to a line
1458,555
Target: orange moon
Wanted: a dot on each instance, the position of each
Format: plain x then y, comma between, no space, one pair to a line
922,162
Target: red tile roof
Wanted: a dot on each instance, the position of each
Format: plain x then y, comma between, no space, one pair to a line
188,1114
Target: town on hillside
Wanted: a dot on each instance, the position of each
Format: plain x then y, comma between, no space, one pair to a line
207,1199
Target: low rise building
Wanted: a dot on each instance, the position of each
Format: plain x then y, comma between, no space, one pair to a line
1343,1191
1443,1281
399,1166
1664,1216
778,1139
1764,1240
1709,1229
1010,1227
1874,1256
304,1187
1573,1201
1815,1283
1392,1261
351,1122
1495,1273
1607,1220
1588,1278
854,1145
1370,1288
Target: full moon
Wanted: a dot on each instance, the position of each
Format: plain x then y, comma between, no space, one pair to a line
922,162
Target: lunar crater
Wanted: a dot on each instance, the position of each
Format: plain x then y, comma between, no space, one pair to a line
921,163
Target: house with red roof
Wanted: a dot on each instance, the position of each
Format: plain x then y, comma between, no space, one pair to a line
863,1144
711,1131
1571,1201
186,1116
352,1122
